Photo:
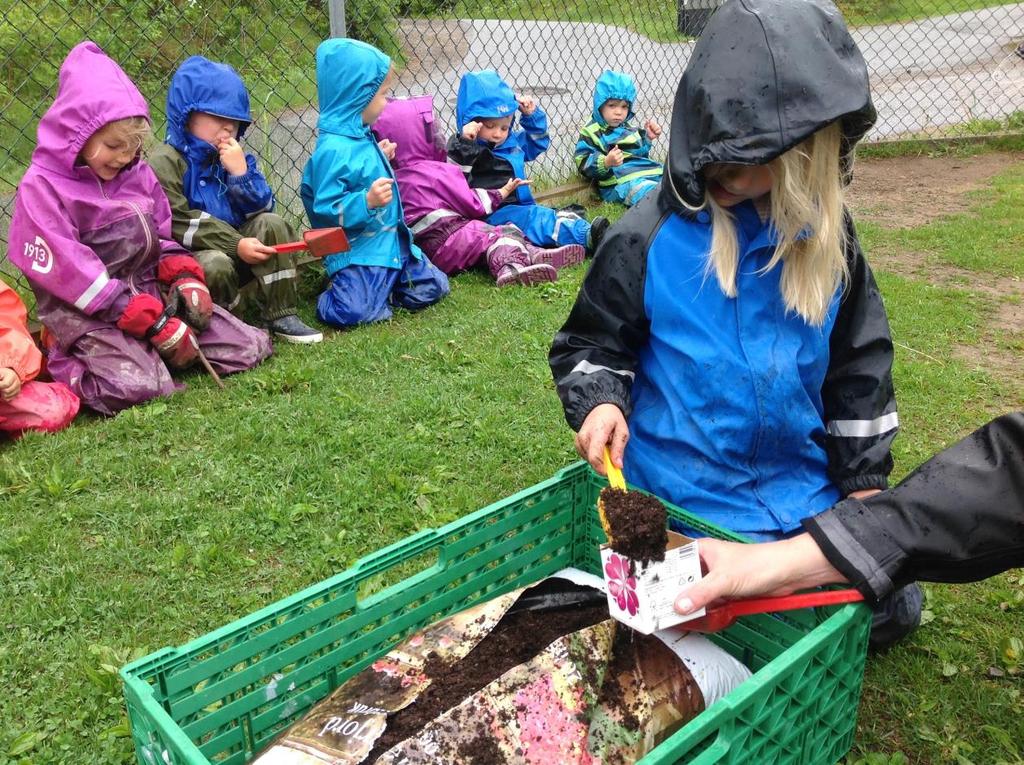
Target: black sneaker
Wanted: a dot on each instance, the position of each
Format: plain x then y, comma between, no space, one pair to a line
598,227
575,209
292,329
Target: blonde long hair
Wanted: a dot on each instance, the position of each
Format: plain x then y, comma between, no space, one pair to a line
807,195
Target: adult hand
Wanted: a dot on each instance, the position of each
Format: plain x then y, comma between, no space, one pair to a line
863,493
251,250
512,185
614,158
388,147
380,193
526,105
471,129
10,383
737,570
604,425
232,158
653,129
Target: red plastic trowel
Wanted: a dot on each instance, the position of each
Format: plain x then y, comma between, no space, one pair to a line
320,242
720,617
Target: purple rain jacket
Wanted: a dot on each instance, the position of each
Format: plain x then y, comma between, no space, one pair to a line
435,193
87,245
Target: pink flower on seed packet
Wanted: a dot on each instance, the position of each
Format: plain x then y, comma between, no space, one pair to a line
621,585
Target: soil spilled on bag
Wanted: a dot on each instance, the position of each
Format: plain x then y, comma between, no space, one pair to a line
517,638
639,524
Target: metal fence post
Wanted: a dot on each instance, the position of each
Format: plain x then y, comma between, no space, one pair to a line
336,14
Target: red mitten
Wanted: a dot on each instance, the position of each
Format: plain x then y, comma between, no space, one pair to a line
184,274
176,344
145,318
175,267
141,313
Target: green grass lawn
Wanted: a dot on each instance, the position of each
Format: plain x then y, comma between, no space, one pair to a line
124,535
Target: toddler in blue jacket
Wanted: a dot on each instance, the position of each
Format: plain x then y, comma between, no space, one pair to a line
491,153
348,182
221,205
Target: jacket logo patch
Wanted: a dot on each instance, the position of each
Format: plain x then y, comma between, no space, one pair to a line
40,255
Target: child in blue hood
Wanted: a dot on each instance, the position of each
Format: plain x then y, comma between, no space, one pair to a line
221,204
611,151
729,345
348,182
491,153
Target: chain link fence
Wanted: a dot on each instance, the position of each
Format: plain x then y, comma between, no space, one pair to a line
939,67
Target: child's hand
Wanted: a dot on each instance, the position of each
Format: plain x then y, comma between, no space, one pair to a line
526,105
512,185
614,158
10,383
380,193
388,148
232,158
471,130
251,250
653,129
605,425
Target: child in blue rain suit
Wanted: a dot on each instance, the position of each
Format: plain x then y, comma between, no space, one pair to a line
611,151
490,153
348,182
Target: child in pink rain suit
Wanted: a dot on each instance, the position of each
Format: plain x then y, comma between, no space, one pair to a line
25,403
445,214
92,232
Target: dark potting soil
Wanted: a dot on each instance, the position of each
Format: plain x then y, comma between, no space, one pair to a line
639,524
517,638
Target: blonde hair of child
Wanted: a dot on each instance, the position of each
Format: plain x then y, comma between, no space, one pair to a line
134,131
807,194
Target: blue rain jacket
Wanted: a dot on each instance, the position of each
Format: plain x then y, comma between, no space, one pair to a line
485,94
201,85
598,138
738,410
347,160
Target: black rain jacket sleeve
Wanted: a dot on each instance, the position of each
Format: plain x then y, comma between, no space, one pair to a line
858,397
593,356
957,518
483,170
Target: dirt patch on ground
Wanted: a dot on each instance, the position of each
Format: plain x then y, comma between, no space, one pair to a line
903,192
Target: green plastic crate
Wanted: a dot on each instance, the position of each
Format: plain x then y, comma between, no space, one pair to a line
224,697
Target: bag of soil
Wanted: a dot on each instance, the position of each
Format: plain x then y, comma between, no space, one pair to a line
539,675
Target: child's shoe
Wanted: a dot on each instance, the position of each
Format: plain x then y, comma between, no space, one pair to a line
598,227
526,275
292,329
559,257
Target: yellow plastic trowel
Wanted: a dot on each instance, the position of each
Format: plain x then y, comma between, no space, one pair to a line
616,481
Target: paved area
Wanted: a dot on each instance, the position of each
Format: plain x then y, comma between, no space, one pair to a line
925,74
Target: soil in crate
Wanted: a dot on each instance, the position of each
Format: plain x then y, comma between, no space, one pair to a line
516,639
639,524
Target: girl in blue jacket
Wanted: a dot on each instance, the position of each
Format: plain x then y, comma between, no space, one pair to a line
348,182
730,328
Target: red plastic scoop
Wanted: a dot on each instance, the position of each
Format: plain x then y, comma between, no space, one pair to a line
720,617
320,242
